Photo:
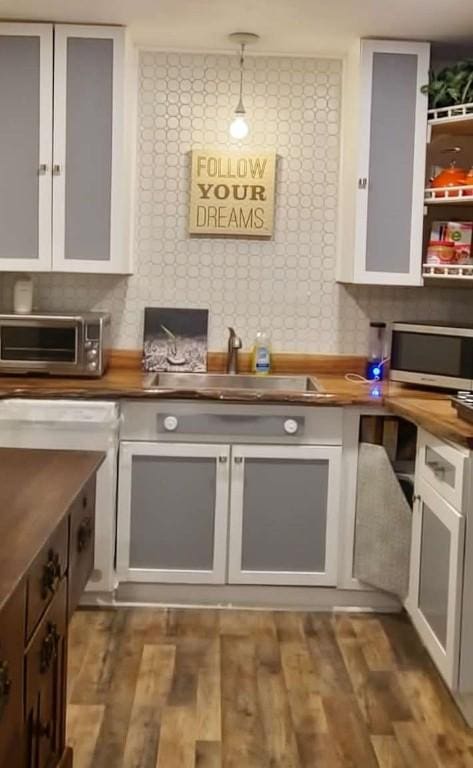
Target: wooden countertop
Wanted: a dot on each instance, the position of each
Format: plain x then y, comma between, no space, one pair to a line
427,408
37,489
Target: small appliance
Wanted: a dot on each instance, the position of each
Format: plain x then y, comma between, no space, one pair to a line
55,344
23,296
376,352
432,354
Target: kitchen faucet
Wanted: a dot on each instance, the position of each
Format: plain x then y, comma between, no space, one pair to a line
234,344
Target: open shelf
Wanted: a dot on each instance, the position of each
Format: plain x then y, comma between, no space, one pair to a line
449,195
460,272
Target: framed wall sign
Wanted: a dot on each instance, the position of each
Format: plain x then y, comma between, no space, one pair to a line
232,194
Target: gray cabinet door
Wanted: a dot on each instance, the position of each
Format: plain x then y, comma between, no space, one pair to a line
172,512
436,578
393,125
88,183
26,56
284,512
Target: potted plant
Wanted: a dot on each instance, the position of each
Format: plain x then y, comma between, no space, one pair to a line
451,85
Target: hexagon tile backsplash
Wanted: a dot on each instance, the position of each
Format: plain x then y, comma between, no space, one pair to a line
285,285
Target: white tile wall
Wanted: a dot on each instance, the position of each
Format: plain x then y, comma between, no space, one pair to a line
285,285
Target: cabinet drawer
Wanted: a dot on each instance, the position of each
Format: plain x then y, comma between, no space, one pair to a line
443,467
12,633
45,683
81,544
45,575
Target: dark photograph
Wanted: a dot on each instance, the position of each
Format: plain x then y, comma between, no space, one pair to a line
175,339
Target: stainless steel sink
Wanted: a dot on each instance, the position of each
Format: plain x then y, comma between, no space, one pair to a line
233,381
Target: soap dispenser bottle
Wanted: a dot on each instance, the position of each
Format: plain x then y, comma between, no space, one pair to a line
261,355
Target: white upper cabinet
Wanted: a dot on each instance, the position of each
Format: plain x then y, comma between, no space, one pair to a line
26,111
88,188
62,149
383,163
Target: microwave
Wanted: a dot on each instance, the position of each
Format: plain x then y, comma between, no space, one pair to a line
437,355
55,344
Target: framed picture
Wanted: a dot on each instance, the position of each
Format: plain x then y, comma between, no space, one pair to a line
175,339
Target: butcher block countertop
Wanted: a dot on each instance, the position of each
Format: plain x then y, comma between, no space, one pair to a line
37,489
124,379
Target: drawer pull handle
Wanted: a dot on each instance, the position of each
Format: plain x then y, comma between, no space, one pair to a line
5,686
49,648
437,468
43,730
84,534
51,574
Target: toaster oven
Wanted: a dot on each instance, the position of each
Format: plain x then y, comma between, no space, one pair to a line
55,344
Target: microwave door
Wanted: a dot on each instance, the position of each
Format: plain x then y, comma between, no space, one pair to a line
432,358
39,345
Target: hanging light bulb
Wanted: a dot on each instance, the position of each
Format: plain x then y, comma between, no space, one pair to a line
239,127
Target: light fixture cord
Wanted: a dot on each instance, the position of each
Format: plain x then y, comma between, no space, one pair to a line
240,110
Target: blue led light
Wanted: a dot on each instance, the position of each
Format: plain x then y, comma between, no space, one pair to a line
376,371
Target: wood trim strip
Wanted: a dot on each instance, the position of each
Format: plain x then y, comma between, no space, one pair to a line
282,362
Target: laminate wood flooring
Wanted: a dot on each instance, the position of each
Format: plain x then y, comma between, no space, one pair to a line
152,688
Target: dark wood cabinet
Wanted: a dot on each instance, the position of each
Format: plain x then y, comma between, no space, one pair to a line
45,575
12,632
81,544
45,563
45,670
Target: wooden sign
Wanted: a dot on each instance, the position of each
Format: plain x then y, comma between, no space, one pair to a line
232,194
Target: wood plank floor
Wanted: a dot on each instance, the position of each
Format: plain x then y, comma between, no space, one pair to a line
250,689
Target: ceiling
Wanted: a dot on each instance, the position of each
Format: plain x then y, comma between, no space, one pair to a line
286,26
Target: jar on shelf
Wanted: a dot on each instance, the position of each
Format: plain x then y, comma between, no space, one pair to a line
441,252
449,177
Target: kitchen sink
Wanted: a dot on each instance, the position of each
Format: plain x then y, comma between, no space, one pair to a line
233,381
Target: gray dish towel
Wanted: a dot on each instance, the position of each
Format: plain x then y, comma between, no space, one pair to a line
383,524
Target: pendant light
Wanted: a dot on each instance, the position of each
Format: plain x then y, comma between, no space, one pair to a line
239,126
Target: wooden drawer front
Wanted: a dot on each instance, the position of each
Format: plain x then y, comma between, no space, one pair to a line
45,575
81,544
45,684
12,633
443,467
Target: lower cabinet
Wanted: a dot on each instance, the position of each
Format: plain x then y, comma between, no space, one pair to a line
45,686
435,593
12,635
33,641
172,512
284,504
182,505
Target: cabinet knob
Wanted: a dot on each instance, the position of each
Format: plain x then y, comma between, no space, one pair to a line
49,648
170,423
84,534
5,686
57,169
362,183
51,574
43,730
222,459
43,169
238,459
291,426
